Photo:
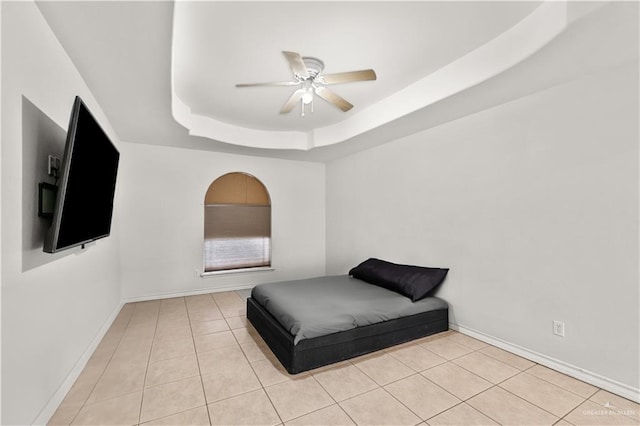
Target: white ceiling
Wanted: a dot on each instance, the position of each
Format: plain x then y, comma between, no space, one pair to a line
220,44
124,52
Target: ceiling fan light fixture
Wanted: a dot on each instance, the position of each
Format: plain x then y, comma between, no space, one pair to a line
307,97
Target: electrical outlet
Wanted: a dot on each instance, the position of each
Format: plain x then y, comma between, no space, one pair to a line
558,328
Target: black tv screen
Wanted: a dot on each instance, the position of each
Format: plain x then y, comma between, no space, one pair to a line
84,202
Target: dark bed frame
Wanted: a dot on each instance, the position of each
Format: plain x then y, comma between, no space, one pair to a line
324,350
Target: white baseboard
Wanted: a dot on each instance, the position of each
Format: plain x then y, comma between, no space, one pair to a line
171,294
53,403
615,387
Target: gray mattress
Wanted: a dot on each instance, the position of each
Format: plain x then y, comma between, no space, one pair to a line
325,305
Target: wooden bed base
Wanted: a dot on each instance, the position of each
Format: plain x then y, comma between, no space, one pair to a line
324,350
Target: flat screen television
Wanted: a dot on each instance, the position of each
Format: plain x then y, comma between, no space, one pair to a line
84,202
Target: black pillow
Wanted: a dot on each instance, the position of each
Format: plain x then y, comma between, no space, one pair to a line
411,281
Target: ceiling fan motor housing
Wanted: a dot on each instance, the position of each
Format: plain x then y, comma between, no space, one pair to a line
314,66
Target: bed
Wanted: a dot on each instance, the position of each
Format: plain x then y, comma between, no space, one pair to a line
319,321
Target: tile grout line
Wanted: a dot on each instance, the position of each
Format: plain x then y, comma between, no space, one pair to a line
479,410
535,364
84,404
497,359
455,357
597,403
537,406
182,378
389,393
555,385
176,380
520,372
432,366
146,370
352,396
355,396
464,401
263,388
309,375
195,351
597,389
461,401
336,402
497,385
584,399
252,369
402,403
493,385
484,378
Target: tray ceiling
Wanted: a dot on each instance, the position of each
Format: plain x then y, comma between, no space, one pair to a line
165,72
217,45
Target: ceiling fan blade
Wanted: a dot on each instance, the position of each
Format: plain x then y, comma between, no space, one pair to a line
297,64
346,77
333,98
292,101
277,83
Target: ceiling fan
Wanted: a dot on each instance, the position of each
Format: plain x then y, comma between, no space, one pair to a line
307,74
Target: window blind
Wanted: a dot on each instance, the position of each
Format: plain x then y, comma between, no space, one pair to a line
236,236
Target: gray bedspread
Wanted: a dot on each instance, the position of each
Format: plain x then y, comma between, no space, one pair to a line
325,305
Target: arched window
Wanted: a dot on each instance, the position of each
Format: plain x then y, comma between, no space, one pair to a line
237,224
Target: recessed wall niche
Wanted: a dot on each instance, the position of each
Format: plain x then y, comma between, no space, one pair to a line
41,137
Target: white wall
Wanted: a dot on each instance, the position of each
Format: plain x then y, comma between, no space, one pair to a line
532,204
53,306
161,215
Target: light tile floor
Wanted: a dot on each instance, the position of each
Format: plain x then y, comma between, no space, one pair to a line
196,360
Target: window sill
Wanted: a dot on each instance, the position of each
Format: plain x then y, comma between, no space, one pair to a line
236,271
